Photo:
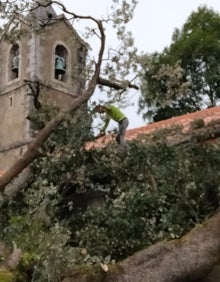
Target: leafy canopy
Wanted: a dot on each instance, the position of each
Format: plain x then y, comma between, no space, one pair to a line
185,77
154,192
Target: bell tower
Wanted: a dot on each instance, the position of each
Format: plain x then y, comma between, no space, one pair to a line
47,61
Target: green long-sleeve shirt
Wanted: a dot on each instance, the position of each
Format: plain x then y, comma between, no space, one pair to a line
112,113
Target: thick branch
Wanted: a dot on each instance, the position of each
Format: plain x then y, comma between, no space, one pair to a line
190,258
11,190
33,148
187,259
116,85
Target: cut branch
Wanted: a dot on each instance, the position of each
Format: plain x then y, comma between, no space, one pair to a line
117,84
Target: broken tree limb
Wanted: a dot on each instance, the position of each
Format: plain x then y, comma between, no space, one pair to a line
11,190
194,257
118,85
189,258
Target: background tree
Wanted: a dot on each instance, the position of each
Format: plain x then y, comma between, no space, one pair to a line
185,76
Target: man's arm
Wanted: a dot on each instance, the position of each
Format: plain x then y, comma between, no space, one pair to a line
106,123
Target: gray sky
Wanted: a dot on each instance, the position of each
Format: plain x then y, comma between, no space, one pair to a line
152,27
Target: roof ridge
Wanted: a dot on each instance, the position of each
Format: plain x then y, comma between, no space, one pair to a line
177,118
183,120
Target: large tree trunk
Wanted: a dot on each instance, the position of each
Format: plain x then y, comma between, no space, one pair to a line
194,257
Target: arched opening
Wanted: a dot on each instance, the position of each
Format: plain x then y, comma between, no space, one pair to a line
14,62
61,55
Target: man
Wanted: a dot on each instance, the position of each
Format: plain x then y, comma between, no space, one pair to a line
114,113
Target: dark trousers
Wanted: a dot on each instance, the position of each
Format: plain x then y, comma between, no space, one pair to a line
120,138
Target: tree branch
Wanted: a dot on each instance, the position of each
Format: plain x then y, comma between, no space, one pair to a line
117,84
193,257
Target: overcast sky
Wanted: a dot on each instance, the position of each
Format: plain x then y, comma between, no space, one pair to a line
152,26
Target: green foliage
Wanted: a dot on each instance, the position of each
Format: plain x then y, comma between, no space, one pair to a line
153,192
163,84
159,193
6,276
185,76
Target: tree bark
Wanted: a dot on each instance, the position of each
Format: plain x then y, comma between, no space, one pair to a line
116,85
194,257
18,183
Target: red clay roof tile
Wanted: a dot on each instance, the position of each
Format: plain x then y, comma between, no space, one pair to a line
185,121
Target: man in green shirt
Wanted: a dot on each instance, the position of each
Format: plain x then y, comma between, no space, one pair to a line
115,114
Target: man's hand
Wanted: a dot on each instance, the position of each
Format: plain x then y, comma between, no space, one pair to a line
102,133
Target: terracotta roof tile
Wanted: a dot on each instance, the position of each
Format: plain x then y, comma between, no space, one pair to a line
185,121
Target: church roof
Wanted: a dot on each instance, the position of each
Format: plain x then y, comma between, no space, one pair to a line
44,14
184,121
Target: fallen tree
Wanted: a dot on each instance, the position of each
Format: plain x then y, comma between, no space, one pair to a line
194,257
171,136
188,259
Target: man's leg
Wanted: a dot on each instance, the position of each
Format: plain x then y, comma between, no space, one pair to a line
120,138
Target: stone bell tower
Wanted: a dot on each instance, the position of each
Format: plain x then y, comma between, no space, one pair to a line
48,59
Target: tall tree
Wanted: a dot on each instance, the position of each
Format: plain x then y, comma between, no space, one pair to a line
185,77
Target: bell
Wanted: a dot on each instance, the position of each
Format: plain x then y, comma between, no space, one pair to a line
15,64
59,65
